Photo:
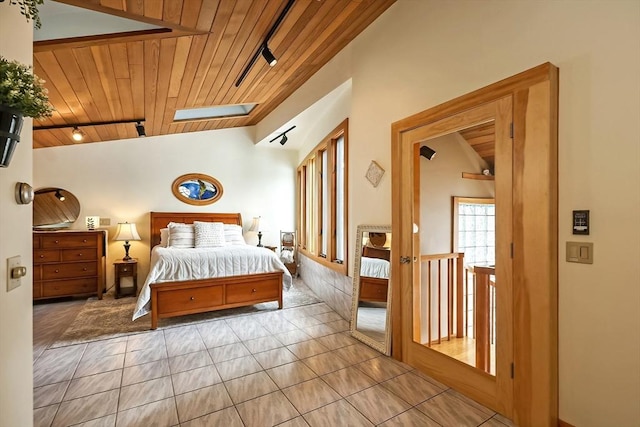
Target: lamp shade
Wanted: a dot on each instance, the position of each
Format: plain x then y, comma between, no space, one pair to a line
126,232
259,224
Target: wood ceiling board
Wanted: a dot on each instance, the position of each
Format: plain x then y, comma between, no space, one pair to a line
124,79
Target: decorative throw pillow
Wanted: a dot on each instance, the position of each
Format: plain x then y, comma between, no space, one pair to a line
164,237
209,234
233,234
181,235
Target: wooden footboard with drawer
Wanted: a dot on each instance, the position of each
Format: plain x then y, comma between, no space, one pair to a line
198,296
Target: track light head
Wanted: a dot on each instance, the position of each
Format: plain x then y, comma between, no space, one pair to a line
284,139
427,152
268,56
283,135
60,196
140,129
77,134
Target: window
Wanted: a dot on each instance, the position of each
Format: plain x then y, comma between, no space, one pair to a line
475,230
322,209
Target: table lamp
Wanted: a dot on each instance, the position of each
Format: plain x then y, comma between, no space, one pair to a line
259,224
125,232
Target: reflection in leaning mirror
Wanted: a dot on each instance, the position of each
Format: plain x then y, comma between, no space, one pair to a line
54,208
371,314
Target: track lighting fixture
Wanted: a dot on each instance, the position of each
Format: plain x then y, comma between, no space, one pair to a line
140,129
283,135
264,48
77,134
427,152
60,196
268,56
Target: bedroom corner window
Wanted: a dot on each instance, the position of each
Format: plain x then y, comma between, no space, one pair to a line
322,210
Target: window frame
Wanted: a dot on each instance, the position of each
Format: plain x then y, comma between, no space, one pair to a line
310,230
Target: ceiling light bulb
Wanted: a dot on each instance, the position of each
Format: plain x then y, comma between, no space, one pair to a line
268,56
77,134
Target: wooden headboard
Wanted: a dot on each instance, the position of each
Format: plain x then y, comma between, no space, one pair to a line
160,220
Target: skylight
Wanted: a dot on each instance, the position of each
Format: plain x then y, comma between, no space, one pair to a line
217,112
60,21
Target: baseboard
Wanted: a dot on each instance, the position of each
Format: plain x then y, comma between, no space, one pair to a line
564,424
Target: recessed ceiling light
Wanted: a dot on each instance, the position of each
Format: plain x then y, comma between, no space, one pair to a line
217,112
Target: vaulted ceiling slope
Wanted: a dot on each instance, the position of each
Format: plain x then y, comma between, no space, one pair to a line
194,62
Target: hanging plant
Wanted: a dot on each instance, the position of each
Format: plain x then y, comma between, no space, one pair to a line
22,93
29,9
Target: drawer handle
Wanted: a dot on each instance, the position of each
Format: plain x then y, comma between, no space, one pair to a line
84,240
56,242
57,271
79,254
192,298
84,269
41,256
253,290
125,269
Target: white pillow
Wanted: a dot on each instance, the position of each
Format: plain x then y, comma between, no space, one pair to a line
164,237
209,234
233,234
181,235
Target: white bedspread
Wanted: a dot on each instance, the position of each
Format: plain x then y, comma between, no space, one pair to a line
171,264
374,267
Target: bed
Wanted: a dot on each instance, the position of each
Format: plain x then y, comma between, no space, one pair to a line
374,274
164,296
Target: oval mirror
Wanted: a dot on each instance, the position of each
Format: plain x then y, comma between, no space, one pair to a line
197,189
54,208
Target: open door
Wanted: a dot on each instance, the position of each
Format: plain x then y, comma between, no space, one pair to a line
484,308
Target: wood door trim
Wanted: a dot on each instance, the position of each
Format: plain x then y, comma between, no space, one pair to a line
535,228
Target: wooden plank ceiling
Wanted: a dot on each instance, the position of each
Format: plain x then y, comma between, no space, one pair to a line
194,63
482,139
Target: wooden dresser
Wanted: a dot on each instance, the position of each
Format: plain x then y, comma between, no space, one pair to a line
68,263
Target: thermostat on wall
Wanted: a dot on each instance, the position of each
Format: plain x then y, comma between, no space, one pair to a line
581,222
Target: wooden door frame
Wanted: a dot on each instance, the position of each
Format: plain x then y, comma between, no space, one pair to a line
535,236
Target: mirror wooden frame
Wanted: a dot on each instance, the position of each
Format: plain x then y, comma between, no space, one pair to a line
382,347
206,179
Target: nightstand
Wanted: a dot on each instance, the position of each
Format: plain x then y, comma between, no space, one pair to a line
271,248
126,269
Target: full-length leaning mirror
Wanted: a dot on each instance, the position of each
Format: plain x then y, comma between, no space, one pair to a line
371,311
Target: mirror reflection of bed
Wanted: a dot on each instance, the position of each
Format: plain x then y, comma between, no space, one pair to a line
370,319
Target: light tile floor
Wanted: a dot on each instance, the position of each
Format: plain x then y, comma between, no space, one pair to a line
291,367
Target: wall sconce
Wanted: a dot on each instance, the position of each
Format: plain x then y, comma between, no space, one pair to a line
427,152
283,135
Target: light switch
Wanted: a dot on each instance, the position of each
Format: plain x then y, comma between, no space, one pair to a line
581,252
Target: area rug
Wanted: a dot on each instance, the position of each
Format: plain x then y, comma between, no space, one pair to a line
111,318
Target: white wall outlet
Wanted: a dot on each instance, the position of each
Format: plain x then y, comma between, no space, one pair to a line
105,221
15,271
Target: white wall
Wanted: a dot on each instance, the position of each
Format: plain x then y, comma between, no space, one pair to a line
421,53
16,318
125,180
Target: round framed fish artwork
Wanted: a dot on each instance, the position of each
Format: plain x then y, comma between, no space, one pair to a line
197,189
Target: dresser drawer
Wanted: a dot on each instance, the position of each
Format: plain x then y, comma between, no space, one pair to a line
252,291
37,272
87,254
373,291
68,240
74,269
36,242
188,299
69,287
43,255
